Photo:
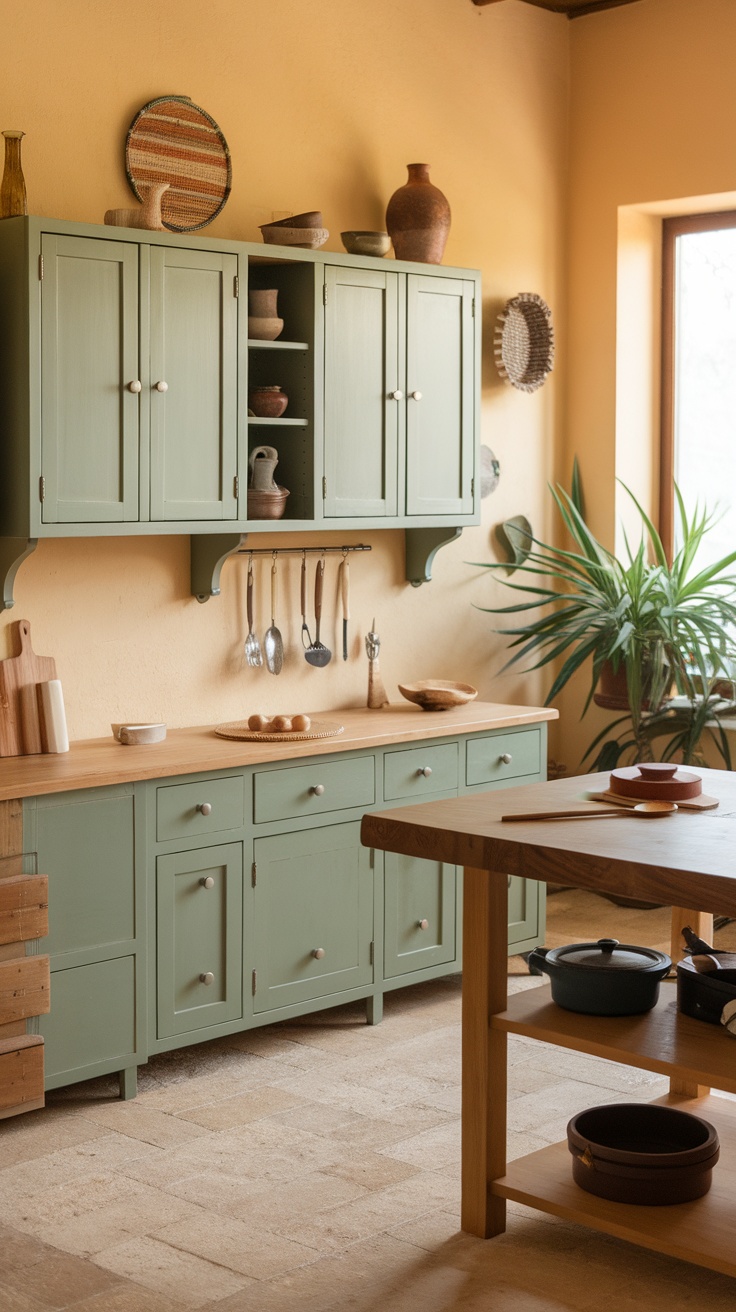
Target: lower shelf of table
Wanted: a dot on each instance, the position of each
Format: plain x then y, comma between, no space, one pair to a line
701,1232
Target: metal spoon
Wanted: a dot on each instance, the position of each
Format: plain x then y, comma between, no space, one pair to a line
317,654
642,810
252,646
273,642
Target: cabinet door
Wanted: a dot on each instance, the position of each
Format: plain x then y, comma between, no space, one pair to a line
526,913
363,418
199,938
419,914
440,408
313,915
89,352
193,383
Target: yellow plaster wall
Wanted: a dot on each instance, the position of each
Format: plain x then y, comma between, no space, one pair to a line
653,131
322,104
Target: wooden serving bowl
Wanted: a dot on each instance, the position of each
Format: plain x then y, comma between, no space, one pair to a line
438,694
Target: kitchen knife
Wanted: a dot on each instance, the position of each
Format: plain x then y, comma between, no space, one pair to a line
345,591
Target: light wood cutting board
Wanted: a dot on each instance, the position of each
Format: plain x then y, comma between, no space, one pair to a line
20,724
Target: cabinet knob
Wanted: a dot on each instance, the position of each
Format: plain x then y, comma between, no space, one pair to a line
204,808
422,924
317,789
206,977
415,396
207,882
506,758
397,395
426,770
135,385
318,953
161,386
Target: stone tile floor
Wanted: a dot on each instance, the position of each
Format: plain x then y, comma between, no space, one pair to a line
316,1163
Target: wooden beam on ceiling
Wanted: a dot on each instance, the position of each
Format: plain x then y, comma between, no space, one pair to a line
573,8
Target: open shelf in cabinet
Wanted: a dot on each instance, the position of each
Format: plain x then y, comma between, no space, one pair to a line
254,421
661,1040
701,1232
258,344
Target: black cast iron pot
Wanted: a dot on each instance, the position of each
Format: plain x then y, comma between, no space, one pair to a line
606,978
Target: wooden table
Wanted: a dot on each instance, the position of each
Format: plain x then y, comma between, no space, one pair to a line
686,860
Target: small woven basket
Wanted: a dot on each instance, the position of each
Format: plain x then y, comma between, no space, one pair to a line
524,344
264,504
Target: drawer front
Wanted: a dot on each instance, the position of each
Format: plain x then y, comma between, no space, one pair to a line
194,810
420,771
305,790
503,756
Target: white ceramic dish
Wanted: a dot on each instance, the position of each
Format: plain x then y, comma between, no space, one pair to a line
135,735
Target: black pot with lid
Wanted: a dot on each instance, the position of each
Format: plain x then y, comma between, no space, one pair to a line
606,978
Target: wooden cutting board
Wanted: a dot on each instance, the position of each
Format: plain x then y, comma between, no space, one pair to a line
20,725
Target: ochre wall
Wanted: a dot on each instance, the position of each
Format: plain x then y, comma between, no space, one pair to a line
322,106
653,127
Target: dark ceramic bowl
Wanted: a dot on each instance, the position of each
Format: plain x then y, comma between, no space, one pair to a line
642,1153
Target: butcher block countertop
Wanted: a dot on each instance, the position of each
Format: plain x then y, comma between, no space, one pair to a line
95,762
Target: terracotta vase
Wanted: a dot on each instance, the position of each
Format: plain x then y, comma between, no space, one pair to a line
418,218
263,322
267,402
13,187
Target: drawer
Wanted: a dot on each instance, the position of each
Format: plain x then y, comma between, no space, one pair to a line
503,756
206,807
304,790
420,771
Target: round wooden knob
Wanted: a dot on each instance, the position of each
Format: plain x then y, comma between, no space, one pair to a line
397,395
134,386
416,396
161,386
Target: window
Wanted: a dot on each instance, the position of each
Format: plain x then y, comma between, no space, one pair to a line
699,374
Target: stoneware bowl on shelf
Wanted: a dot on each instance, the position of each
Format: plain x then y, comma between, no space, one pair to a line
366,243
135,735
438,694
263,504
308,238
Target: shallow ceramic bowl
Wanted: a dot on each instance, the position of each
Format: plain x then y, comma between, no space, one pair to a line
308,238
309,219
366,243
264,330
135,735
438,694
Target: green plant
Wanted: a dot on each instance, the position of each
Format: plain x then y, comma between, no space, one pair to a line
666,625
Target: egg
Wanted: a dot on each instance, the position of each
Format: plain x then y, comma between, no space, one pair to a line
257,723
300,723
281,724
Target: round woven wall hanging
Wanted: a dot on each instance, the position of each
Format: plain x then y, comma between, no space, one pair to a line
524,342
172,140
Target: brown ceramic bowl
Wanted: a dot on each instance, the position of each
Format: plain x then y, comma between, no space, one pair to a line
310,219
438,694
308,238
366,243
643,1153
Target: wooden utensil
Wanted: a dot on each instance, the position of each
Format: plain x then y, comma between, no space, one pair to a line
643,810
20,722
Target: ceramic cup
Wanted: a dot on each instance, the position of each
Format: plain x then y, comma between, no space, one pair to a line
132,735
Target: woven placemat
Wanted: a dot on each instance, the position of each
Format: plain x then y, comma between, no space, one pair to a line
172,140
524,341
239,729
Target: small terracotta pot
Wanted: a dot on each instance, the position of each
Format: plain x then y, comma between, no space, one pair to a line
268,402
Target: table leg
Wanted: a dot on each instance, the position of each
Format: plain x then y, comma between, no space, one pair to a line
485,953
701,922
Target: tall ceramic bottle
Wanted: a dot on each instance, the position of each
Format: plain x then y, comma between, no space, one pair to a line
418,218
13,187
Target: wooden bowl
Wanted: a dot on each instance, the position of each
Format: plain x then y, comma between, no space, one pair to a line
438,694
308,238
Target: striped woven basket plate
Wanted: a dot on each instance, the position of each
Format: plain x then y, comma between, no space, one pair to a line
172,140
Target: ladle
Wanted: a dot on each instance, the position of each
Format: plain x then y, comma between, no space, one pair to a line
642,810
273,643
317,654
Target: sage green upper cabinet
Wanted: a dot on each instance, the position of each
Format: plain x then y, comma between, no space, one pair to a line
440,420
89,350
193,384
363,419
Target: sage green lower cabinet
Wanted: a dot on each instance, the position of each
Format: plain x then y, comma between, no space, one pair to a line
199,938
421,928
313,915
86,843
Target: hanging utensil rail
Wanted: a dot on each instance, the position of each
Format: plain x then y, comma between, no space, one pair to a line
298,551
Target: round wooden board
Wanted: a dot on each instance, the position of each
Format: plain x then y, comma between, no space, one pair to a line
240,730
173,140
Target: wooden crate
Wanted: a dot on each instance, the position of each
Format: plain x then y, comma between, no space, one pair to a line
21,1074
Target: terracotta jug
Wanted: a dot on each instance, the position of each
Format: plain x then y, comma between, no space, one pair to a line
418,218
262,461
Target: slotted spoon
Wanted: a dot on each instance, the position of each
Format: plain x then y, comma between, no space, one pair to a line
252,648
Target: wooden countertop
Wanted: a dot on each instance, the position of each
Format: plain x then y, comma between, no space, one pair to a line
94,762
